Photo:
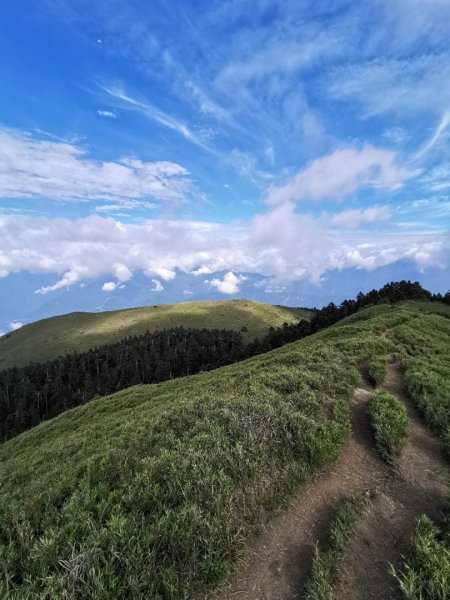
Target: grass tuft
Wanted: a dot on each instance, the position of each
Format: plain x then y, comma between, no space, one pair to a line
426,571
377,370
389,422
326,562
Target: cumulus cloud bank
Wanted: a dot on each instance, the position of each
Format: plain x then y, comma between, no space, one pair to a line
31,168
279,243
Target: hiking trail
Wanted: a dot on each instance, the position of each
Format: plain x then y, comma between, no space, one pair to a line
280,557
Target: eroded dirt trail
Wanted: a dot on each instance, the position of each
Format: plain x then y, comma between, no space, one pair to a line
418,486
281,557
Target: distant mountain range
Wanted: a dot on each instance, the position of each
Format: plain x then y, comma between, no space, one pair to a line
19,302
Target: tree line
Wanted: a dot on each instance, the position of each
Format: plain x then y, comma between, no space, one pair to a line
31,394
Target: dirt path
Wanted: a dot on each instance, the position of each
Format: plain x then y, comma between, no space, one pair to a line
418,486
280,558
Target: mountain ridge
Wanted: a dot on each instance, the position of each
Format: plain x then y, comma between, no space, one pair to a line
78,331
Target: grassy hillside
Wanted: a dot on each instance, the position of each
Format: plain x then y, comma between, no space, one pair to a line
80,331
151,492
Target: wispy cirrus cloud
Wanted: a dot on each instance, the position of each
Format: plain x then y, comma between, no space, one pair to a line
125,205
153,113
32,167
440,130
390,85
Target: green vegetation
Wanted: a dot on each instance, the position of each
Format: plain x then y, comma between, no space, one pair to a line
377,370
148,493
326,562
50,338
151,492
389,422
426,571
427,367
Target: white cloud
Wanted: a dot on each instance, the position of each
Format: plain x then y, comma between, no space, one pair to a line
165,274
355,216
109,286
107,113
229,284
122,272
32,167
201,271
71,277
280,243
14,325
341,173
157,286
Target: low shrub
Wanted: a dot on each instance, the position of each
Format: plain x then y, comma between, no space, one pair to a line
377,370
389,422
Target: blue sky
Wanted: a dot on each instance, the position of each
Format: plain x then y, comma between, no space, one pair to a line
240,146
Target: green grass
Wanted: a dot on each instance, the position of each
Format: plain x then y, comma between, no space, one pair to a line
427,367
326,562
151,492
50,338
377,370
426,571
389,421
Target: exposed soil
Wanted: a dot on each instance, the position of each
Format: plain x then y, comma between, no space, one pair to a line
418,486
280,558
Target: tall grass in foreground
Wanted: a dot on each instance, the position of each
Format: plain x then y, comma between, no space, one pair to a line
426,571
149,494
389,421
326,562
